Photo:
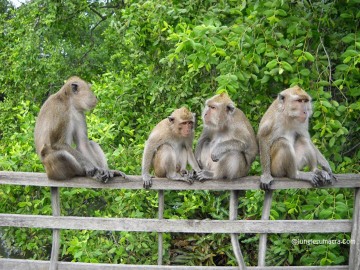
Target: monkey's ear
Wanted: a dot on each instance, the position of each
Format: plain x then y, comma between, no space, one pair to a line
171,119
74,88
281,98
230,108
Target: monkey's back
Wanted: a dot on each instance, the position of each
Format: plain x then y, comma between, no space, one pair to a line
51,121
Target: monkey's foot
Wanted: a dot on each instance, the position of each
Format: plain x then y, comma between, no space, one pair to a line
183,179
192,175
325,177
115,173
203,175
103,175
317,180
265,182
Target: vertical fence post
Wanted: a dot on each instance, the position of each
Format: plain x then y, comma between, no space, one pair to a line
354,258
233,212
160,235
55,204
263,237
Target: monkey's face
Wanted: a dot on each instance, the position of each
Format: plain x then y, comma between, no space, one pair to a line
211,114
186,128
182,122
300,109
218,111
296,104
85,99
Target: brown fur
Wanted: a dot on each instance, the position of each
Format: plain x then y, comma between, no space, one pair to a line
169,148
60,124
285,144
227,146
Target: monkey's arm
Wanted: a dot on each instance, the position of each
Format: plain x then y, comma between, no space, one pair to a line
191,159
327,174
227,146
148,156
203,139
265,142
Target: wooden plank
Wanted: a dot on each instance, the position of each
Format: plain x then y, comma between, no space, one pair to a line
263,237
354,258
16,264
55,248
233,213
160,235
167,225
135,182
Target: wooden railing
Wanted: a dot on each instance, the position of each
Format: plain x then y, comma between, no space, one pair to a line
161,225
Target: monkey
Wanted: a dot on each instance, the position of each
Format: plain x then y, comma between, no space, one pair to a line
227,145
285,143
60,124
169,148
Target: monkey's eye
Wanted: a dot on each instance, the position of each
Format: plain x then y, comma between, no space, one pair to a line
212,107
303,100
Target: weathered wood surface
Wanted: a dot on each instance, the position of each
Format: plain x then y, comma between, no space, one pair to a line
175,226
135,182
55,249
354,258
12,264
165,225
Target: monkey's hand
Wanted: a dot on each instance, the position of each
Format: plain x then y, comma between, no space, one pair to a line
147,181
184,172
203,175
90,171
266,181
215,156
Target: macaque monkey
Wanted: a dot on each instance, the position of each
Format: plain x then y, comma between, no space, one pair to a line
285,143
227,145
61,122
169,148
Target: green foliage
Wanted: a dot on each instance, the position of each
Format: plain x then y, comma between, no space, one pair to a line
146,58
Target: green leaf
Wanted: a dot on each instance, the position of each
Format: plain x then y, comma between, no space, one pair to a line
305,72
309,56
325,213
297,52
272,64
332,142
286,66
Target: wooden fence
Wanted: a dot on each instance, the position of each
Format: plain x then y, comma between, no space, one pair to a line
161,225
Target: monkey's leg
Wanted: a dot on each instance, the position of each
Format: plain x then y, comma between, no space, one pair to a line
103,173
98,155
61,165
283,159
165,164
283,163
306,155
232,165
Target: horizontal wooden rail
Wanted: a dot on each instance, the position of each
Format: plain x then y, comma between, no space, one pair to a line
15,264
161,225
135,182
175,226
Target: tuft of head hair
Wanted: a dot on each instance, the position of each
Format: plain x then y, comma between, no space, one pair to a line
183,114
221,98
